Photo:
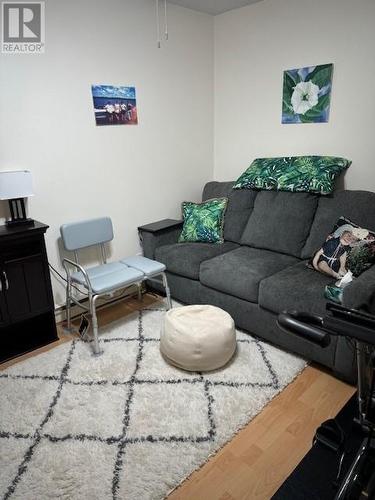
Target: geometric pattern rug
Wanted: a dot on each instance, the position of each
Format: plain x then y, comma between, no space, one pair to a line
125,425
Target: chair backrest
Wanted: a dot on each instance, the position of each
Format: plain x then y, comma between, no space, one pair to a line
86,233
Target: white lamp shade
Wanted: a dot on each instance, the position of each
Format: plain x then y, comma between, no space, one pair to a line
15,184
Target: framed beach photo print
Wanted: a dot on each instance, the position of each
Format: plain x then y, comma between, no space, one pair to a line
114,105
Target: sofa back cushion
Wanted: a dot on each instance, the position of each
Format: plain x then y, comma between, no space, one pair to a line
280,221
239,208
358,206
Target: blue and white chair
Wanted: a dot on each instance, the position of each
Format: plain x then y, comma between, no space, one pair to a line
107,277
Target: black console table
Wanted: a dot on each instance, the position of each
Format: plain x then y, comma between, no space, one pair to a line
27,316
161,225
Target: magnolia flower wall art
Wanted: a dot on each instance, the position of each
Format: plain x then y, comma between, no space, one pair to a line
307,94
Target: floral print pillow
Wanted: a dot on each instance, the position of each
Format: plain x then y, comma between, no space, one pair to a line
314,174
203,222
347,248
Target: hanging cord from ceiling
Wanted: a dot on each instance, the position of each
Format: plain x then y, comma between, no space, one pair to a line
157,25
158,42
165,20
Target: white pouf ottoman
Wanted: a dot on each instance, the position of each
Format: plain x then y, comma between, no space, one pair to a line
198,338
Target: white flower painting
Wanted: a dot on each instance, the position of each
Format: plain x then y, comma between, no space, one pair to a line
307,94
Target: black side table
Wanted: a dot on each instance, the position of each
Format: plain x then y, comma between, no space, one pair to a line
162,232
27,313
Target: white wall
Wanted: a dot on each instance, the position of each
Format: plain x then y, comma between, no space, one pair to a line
255,44
134,174
138,174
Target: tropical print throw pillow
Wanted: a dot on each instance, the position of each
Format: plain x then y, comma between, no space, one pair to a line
314,174
347,248
203,222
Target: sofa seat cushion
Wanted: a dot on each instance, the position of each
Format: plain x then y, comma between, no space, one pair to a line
297,287
185,258
280,221
240,271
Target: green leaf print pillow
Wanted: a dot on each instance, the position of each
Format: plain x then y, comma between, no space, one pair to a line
314,174
203,222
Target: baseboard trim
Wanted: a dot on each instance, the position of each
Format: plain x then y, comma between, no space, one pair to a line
60,312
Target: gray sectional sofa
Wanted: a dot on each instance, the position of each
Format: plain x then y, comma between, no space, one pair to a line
260,270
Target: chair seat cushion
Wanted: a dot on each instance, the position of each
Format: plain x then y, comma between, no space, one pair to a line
240,271
185,258
102,282
146,266
296,287
95,272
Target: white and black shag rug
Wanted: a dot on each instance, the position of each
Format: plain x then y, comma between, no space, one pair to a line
125,425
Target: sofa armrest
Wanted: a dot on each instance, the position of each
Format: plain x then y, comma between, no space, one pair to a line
156,234
360,294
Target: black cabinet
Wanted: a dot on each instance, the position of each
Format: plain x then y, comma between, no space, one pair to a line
27,317
3,317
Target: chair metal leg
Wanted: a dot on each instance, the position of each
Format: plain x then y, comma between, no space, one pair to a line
68,328
94,319
140,297
167,291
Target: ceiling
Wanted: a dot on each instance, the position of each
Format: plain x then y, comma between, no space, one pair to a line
213,6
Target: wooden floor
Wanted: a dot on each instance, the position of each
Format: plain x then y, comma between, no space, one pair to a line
261,456
105,315
254,464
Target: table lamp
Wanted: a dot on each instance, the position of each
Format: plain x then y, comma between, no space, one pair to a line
15,185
